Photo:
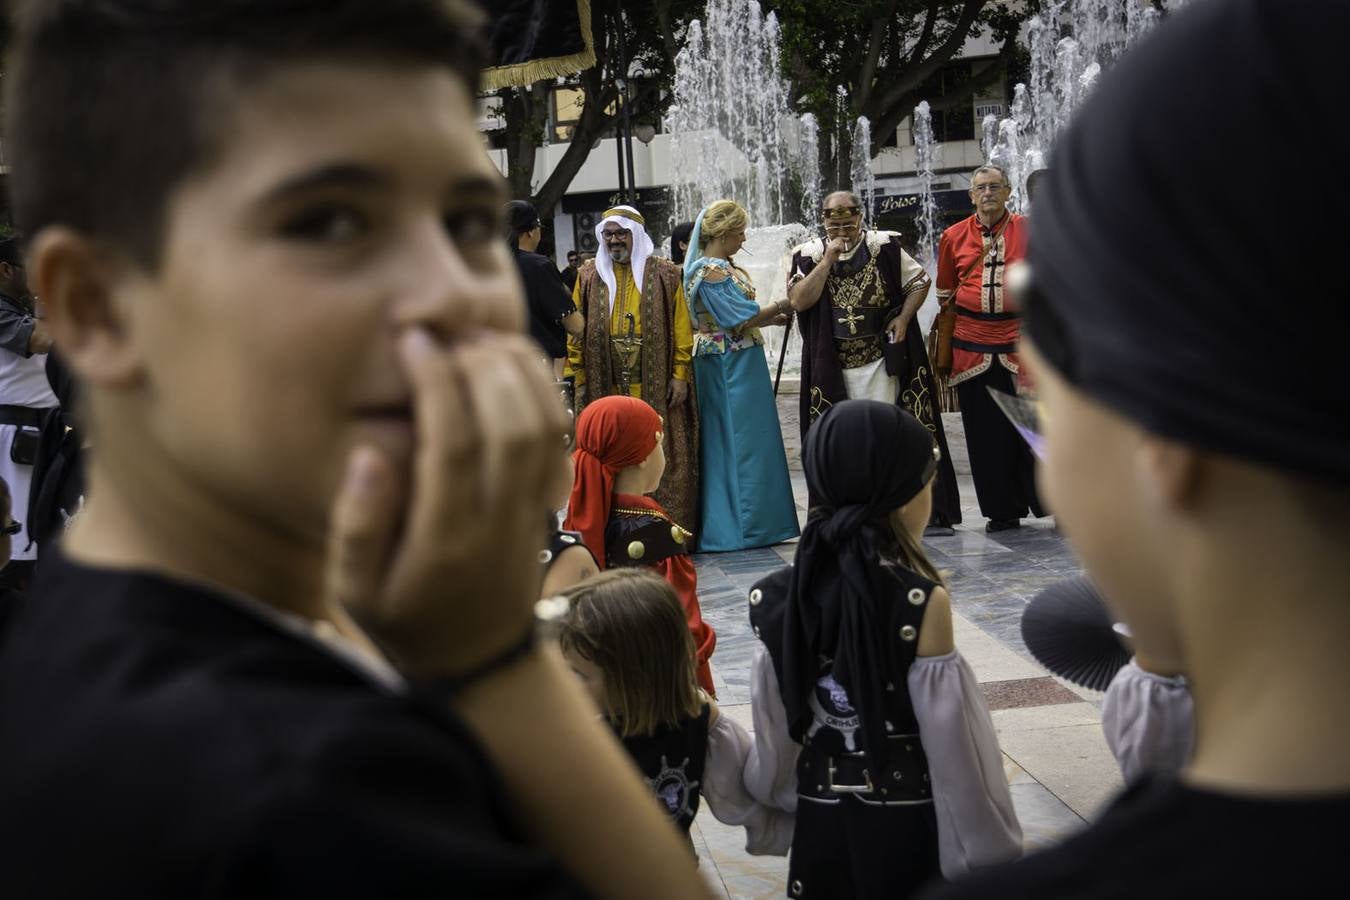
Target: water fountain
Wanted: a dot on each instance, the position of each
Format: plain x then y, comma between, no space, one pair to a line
924,163
727,113
1070,42
730,126
861,179
808,164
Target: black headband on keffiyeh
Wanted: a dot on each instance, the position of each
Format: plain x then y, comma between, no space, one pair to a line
863,460
1175,274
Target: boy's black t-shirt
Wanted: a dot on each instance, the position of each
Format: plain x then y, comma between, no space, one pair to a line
1166,841
158,739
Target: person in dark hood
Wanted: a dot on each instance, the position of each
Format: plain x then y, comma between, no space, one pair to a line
1202,480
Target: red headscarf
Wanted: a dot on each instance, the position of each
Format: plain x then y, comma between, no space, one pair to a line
613,433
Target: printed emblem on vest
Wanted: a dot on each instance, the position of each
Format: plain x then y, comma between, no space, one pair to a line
830,708
674,788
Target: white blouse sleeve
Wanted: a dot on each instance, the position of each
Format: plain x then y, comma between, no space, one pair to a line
771,769
1149,721
767,831
976,822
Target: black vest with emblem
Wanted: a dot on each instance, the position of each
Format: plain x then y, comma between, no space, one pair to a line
832,763
671,762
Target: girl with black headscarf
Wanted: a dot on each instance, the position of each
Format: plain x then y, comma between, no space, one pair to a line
898,775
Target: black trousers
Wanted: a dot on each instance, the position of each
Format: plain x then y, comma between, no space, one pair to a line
1000,461
850,850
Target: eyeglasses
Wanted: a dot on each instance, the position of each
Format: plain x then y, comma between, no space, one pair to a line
842,212
987,188
12,528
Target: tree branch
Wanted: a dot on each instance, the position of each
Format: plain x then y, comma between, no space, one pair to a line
918,74
880,25
883,131
925,36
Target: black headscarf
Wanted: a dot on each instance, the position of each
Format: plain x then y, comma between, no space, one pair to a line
682,232
863,460
1176,273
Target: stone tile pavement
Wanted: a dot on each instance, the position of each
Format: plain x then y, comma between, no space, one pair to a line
1058,767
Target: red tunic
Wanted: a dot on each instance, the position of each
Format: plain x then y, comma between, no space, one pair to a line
987,324
678,571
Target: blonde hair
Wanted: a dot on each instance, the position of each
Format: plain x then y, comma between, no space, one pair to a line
630,624
722,217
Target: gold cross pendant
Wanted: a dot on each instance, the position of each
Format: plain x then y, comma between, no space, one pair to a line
851,320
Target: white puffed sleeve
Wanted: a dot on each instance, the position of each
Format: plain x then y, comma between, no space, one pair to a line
767,831
976,822
771,769
1149,721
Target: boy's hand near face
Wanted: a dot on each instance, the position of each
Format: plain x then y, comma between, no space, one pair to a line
443,572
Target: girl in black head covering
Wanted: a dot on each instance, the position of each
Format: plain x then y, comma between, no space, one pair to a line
856,665
679,241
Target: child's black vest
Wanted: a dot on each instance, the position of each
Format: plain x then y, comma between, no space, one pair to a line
672,763
832,763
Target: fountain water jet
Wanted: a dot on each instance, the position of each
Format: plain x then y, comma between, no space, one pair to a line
729,122
1070,42
861,180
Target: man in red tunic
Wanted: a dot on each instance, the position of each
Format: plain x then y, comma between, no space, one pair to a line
972,259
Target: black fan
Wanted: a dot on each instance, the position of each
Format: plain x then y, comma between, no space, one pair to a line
1069,630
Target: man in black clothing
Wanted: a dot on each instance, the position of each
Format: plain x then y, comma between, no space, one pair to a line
1202,488
553,315
286,649
569,272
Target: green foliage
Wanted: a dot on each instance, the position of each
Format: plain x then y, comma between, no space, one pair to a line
869,47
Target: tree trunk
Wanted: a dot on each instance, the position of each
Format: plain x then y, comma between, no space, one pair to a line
526,113
592,124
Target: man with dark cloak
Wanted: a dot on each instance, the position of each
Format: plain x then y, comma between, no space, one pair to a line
856,292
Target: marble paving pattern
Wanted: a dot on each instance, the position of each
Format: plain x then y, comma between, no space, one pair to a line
1058,768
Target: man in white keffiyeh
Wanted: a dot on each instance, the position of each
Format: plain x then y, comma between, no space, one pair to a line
639,341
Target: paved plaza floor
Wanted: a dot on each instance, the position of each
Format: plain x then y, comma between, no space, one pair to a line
1058,767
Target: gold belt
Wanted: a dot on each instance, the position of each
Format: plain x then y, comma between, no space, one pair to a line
625,355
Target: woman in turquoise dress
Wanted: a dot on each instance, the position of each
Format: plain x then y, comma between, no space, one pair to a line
747,495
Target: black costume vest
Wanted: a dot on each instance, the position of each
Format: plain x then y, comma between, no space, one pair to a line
642,537
832,763
672,761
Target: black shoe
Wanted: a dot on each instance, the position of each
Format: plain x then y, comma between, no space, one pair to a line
1002,525
939,529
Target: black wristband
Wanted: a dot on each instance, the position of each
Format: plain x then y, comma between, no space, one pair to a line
448,685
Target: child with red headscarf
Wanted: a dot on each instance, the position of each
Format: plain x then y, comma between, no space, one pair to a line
617,462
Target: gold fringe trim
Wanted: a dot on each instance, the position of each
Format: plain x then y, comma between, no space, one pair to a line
527,73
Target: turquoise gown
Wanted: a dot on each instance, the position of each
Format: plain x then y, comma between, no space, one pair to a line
746,493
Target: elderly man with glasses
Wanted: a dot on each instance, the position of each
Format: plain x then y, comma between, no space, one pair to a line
972,261
857,292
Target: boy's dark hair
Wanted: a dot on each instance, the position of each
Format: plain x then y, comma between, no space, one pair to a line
113,103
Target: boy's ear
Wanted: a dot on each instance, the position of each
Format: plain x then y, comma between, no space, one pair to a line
1173,472
75,280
